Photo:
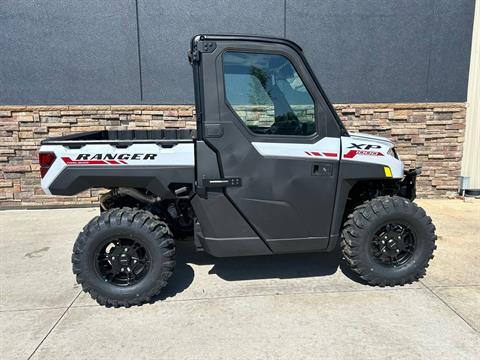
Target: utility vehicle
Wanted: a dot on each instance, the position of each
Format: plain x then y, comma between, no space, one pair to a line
270,169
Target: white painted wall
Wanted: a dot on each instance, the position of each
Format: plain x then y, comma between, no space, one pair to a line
471,153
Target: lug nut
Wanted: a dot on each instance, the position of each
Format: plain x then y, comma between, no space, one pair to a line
398,250
134,261
126,249
122,269
113,257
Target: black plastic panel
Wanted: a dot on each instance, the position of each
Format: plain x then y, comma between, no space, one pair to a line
226,247
219,219
73,180
222,231
303,245
350,173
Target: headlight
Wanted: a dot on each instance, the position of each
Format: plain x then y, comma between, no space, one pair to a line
392,152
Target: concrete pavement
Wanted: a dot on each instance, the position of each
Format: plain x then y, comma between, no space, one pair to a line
292,306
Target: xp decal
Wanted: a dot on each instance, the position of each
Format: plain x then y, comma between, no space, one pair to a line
371,149
364,146
362,149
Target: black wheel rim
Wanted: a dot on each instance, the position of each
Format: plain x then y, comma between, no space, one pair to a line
122,262
393,244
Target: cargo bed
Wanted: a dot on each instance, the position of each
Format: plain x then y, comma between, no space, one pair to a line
147,159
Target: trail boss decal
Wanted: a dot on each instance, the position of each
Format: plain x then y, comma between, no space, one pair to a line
106,159
362,149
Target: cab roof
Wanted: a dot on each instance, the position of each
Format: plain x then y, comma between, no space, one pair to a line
264,39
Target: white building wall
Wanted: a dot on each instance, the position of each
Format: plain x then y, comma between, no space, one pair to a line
471,154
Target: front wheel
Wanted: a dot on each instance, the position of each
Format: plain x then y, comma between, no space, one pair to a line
388,241
123,257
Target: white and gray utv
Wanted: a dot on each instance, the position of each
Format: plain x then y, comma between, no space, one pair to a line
270,169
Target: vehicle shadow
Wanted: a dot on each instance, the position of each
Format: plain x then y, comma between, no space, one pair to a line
286,266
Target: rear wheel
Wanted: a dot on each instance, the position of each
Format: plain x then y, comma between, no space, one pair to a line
388,241
124,257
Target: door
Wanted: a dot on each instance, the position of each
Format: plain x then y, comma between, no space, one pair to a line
271,128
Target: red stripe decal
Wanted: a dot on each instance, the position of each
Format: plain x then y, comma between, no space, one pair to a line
330,154
321,154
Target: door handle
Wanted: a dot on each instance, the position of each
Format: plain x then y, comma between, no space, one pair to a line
202,190
322,169
216,183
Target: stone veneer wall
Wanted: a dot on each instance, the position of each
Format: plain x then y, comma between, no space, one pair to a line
430,135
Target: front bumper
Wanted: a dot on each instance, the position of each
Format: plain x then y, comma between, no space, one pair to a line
408,185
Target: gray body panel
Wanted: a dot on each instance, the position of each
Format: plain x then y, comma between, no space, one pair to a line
73,180
223,231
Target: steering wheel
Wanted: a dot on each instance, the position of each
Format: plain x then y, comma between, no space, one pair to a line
282,126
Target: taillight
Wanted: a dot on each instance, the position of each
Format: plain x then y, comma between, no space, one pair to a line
45,160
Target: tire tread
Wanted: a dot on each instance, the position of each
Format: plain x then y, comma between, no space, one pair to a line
357,224
125,216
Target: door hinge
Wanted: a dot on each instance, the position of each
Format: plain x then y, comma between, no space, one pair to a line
200,47
193,56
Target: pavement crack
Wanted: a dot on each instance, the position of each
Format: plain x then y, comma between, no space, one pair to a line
37,253
54,325
450,307
32,309
238,296
453,286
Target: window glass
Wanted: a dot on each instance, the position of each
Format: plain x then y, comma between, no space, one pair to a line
267,94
